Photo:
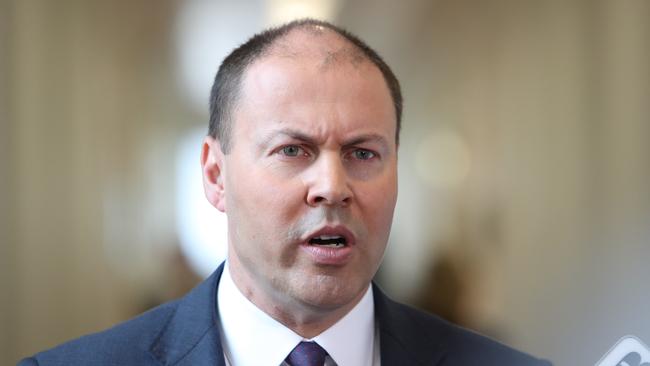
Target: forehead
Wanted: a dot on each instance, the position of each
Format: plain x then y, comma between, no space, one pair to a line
307,53
313,81
308,65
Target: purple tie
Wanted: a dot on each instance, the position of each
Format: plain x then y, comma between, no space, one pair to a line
307,354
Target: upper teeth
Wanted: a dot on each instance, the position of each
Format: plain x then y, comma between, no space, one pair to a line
328,237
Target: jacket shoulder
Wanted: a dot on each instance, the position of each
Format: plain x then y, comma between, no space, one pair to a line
163,335
457,345
126,343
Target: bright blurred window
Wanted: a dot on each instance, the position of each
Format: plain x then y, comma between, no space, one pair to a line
202,229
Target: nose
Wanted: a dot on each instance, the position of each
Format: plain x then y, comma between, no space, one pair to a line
328,182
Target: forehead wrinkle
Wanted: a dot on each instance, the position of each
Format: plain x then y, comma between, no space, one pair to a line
297,134
289,132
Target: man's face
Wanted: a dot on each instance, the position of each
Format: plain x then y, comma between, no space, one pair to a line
310,183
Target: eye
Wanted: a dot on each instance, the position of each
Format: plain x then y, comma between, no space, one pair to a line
292,150
363,154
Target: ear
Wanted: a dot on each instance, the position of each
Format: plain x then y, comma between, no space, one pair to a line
212,166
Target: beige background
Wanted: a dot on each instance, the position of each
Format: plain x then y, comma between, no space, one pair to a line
544,102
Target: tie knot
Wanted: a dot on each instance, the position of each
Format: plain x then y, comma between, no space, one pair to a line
307,354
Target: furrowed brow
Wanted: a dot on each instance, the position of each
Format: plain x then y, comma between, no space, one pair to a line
297,135
301,136
294,134
371,137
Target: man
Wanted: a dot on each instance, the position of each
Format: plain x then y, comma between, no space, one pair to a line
302,157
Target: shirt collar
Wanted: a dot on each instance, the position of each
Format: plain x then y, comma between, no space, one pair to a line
251,337
351,340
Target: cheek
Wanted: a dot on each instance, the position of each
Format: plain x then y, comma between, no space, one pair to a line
379,194
379,201
263,200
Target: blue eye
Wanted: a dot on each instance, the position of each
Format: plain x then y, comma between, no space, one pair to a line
291,150
362,154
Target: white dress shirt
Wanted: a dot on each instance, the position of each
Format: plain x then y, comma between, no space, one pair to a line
250,337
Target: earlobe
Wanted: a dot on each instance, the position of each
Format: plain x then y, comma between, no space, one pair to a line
212,167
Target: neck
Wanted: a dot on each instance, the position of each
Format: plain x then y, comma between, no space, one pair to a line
305,319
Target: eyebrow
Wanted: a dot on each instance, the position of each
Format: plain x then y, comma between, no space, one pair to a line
301,136
369,137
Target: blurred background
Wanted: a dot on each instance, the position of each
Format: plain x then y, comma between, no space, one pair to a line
524,204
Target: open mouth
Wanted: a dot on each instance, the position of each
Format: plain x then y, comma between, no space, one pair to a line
329,241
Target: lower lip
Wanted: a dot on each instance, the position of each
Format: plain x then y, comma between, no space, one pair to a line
328,256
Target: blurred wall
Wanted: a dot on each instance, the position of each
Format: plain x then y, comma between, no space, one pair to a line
544,101
88,133
5,214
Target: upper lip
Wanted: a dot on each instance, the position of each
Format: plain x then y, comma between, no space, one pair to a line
332,231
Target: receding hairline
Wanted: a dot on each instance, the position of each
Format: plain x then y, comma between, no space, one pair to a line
328,43
336,52
296,42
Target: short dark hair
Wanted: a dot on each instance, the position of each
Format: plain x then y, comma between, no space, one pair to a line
227,82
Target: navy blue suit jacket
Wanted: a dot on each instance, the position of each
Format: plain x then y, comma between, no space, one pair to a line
186,332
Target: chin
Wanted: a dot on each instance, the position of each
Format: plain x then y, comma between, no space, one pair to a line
330,293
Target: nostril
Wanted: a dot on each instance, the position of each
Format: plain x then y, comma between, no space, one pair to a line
322,193
324,200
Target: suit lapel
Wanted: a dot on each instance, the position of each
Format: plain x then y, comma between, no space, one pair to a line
191,336
404,341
